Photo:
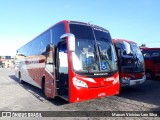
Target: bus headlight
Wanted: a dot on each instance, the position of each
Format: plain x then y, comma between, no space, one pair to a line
116,80
79,83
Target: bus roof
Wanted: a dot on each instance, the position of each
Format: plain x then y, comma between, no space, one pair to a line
122,40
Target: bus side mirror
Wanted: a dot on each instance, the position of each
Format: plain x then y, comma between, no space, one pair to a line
71,41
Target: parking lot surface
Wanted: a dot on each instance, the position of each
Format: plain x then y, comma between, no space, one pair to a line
18,97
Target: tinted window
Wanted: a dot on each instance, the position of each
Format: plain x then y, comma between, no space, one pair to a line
150,53
155,54
7,57
42,42
57,31
146,55
102,35
124,47
135,48
81,31
36,46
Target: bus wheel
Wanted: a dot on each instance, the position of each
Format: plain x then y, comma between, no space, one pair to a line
43,87
149,75
43,90
20,78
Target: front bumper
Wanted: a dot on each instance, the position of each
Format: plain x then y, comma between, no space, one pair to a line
132,82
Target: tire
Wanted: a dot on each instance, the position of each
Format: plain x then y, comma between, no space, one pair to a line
149,75
43,90
20,78
43,87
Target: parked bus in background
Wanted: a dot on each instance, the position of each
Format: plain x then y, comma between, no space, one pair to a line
152,62
130,62
73,60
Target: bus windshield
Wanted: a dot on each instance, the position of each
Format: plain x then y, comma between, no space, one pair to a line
131,57
94,50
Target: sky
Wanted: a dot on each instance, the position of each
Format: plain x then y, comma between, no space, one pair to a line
23,20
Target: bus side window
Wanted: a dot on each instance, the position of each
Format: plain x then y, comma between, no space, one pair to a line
49,58
146,55
156,57
155,54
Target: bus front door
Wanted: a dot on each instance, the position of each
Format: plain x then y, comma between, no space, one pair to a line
62,61
49,72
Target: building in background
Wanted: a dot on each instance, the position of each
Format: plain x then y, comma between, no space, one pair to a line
6,62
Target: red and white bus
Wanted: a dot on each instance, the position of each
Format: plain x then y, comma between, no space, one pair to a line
73,60
130,62
152,62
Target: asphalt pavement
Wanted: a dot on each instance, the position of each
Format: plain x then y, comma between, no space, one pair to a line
25,97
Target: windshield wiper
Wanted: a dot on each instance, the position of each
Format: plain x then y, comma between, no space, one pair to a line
97,57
